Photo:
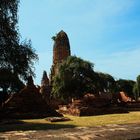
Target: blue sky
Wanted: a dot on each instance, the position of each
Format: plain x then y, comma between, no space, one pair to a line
105,32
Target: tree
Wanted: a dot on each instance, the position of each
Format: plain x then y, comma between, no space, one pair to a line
75,77
15,57
138,85
8,31
136,88
105,82
126,86
8,82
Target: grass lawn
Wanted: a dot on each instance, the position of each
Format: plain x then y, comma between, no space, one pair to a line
43,124
89,121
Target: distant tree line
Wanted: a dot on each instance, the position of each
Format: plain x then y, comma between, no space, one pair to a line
77,77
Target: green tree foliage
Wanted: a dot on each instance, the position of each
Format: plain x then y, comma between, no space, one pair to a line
8,32
8,83
136,88
105,83
16,58
75,77
126,86
138,84
9,80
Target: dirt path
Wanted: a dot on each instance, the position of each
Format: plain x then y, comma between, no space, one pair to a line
108,132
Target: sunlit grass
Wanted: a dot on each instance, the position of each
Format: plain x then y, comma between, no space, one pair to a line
89,121
132,117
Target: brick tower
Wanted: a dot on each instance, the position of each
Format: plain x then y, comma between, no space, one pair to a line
61,50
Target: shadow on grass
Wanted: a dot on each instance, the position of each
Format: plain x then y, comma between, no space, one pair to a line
17,125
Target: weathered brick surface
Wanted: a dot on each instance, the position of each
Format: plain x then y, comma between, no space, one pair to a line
28,103
61,50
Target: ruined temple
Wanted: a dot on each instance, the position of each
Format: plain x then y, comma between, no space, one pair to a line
45,87
61,50
28,103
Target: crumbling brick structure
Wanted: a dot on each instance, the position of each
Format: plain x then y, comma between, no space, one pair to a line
61,50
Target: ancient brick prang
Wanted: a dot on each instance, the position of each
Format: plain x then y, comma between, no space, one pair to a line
61,50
